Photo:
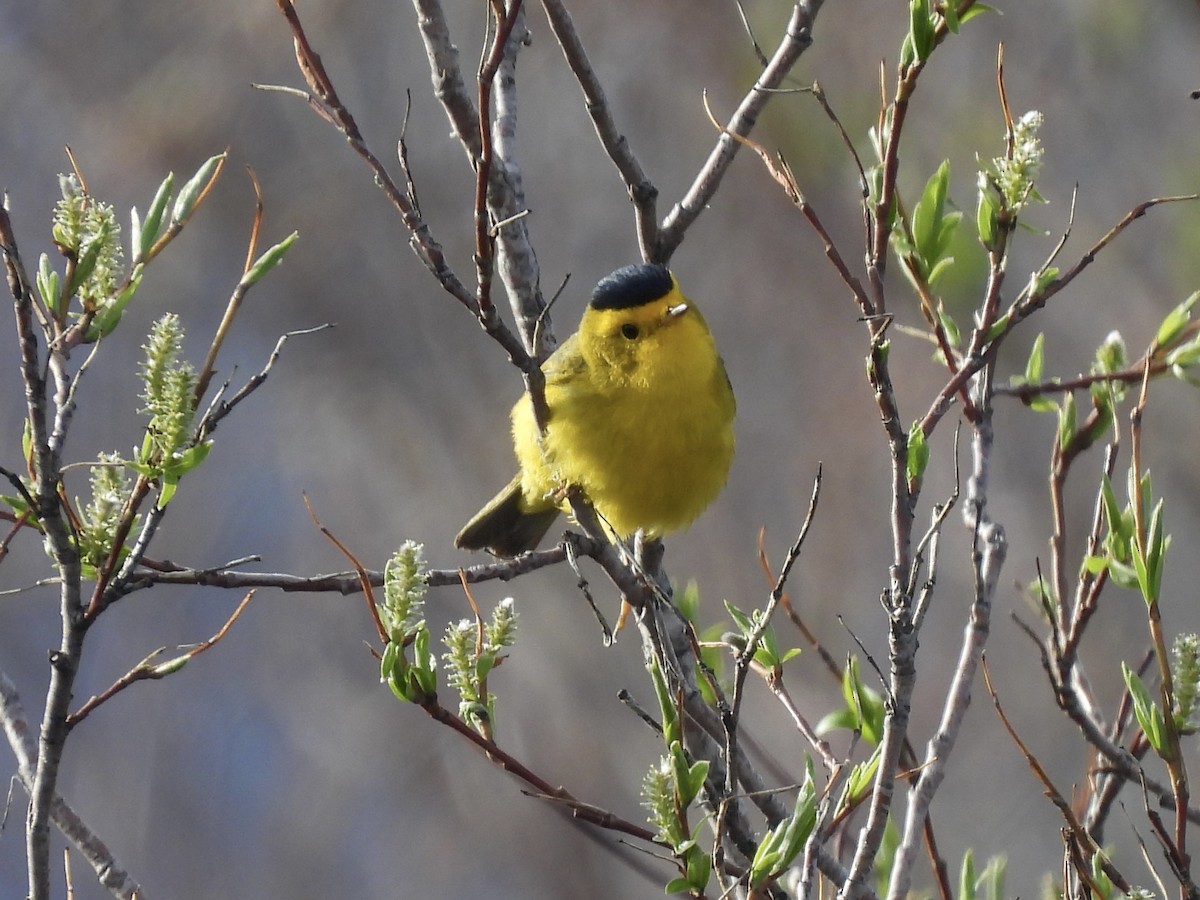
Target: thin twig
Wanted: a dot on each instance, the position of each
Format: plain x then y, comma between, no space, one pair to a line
796,39
641,191
1064,807
147,670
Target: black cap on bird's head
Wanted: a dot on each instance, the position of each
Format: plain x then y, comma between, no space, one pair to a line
632,286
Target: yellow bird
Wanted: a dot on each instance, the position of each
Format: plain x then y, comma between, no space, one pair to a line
641,419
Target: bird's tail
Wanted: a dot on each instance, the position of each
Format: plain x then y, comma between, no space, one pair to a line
506,527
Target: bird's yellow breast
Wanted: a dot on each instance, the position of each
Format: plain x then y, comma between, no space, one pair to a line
644,425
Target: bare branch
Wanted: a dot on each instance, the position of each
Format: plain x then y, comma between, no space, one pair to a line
641,191
797,38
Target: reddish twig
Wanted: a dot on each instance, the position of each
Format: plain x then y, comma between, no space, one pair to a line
148,671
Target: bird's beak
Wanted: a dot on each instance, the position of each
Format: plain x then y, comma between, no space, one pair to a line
674,312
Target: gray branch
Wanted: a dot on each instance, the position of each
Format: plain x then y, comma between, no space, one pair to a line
110,873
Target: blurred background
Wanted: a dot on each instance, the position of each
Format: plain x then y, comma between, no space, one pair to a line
276,765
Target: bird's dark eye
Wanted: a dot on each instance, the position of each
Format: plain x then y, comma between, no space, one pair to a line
629,331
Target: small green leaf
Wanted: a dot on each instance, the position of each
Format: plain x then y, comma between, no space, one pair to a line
696,777
949,326
864,710
940,268
48,285
1186,355
1042,404
950,14
666,705
170,667
185,203
921,29
1114,517
784,842
907,54
424,667
839,718
918,452
1156,551
85,265
1040,280
269,260
862,776
699,869
1175,321
977,10
966,878
109,318
987,216
151,226
1148,714
998,327
927,215
1066,421
744,623
1037,354
680,767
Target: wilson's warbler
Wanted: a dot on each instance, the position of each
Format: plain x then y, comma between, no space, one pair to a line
641,419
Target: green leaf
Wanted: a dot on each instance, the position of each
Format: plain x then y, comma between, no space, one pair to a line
666,705
918,452
424,667
696,776
839,718
966,878
151,226
784,842
744,623
688,600
993,878
864,707
950,14
680,768
1036,361
977,10
85,265
907,54
921,29
1186,355
1156,550
190,192
269,260
1148,714
861,778
927,215
940,268
109,318
1123,575
1175,321
170,667
1066,421
48,285
998,327
1040,280
678,886
1120,530
699,868
987,217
